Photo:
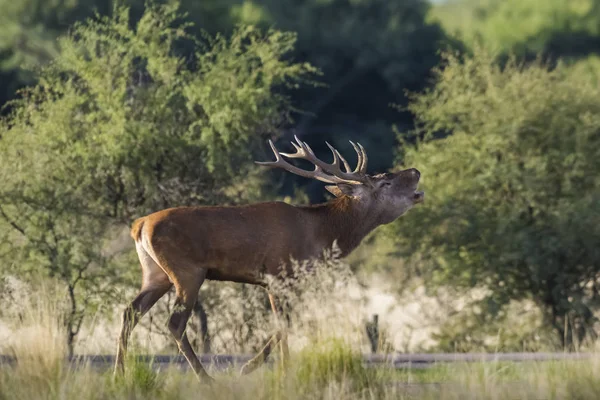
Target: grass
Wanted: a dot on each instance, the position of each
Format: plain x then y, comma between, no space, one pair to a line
327,366
329,370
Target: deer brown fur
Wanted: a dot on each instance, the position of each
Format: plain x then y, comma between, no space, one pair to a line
183,246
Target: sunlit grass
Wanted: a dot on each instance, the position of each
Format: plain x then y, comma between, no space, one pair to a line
326,363
327,370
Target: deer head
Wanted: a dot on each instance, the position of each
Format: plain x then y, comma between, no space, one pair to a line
385,196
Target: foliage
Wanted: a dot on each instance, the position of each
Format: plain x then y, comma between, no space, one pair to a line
28,33
513,194
29,30
30,27
330,361
524,27
367,62
139,377
120,125
370,52
587,68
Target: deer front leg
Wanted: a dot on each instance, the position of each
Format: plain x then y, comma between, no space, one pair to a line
283,343
279,337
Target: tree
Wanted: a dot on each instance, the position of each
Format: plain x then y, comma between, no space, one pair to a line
370,52
120,125
556,28
28,32
513,200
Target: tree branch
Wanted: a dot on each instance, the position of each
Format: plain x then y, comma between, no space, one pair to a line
12,223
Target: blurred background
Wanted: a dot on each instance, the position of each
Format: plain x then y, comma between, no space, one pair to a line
114,109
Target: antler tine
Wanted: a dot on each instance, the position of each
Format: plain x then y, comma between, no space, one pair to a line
317,173
302,150
346,165
336,156
306,147
299,152
334,168
301,144
359,156
365,159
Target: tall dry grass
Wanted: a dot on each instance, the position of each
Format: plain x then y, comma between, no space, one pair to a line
326,337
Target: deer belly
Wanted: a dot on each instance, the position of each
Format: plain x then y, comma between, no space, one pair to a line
240,276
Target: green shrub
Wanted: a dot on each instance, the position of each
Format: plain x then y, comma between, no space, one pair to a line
330,361
510,159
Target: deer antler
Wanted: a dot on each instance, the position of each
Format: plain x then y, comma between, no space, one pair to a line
324,172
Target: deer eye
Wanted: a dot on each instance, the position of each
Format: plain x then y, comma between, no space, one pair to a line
383,184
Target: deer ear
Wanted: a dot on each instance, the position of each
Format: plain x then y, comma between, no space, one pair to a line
343,189
334,190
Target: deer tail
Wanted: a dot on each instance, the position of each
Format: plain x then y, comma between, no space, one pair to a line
136,229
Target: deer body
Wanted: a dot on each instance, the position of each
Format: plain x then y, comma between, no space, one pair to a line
241,244
183,246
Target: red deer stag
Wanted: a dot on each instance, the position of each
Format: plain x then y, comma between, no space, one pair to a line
183,246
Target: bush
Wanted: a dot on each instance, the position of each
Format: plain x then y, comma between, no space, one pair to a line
119,125
510,162
330,361
526,27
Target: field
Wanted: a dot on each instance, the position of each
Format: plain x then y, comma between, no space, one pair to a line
331,371
326,367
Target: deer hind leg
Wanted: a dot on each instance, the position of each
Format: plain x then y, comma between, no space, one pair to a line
154,285
262,356
279,337
187,288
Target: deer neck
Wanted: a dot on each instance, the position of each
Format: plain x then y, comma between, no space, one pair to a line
346,221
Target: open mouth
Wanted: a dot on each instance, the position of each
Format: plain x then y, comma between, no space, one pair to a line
418,197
